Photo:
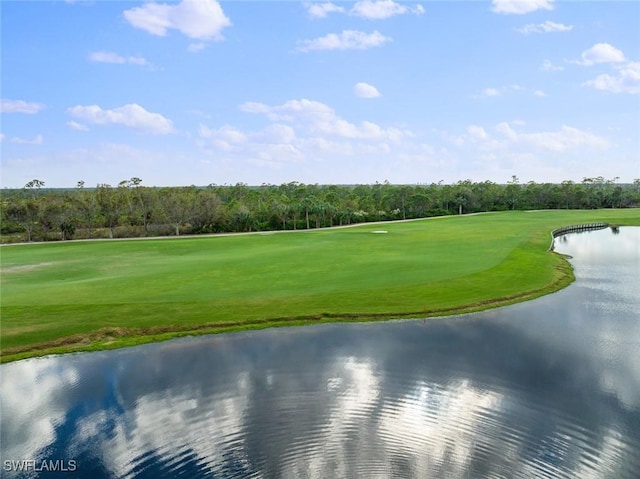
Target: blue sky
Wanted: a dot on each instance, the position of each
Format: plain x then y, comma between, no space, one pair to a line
199,91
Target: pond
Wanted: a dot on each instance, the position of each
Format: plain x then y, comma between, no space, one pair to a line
547,388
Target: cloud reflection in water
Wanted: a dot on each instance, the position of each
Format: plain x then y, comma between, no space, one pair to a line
549,388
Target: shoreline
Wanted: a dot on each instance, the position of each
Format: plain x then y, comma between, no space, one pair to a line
109,336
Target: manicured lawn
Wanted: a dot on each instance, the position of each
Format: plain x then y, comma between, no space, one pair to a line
92,295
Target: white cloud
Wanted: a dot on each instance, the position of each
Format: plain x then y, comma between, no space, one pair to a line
548,66
488,92
364,90
199,19
271,147
505,130
74,125
141,61
20,106
567,138
321,10
320,119
196,47
112,57
107,57
278,134
131,115
539,93
601,53
20,381
229,138
511,141
304,132
368,9
38,140
1,137
456,140
519,7
477,132
347,40
381,9
254,107
627,80
546,27
505,90
225,138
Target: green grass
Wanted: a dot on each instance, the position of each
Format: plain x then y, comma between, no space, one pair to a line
74,296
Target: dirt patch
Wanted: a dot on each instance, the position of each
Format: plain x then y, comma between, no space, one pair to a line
23,268
17,330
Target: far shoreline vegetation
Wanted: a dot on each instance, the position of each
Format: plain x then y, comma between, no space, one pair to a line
37,213
61,297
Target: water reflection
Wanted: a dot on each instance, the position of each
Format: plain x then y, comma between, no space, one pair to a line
549,388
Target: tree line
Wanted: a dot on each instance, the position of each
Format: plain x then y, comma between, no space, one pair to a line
35,213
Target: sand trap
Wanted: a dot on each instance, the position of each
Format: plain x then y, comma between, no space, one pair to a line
380,231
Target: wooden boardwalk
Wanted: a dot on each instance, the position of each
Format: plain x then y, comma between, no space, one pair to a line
578,228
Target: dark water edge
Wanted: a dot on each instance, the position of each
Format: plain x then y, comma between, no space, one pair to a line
547,388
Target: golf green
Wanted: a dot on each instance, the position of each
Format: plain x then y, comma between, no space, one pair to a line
74,296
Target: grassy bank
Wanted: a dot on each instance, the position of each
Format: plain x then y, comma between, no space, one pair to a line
79,296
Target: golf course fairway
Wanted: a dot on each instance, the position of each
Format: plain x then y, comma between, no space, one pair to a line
91,295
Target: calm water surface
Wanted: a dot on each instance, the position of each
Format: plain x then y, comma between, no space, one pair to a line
548,388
